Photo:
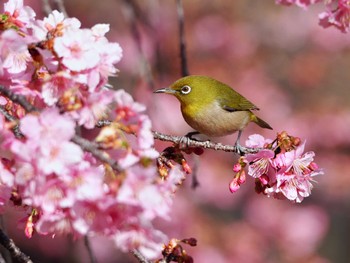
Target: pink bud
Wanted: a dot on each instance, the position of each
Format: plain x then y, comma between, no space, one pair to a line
186,167
29,228
264,179
234,186
242,178
313,166
237,167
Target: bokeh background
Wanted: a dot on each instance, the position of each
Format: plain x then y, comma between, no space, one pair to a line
283,61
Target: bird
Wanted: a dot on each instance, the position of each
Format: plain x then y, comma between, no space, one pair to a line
213,108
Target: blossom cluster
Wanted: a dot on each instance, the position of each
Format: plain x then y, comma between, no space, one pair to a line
281,168
337,12
63,70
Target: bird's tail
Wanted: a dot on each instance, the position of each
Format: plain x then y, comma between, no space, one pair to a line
260,122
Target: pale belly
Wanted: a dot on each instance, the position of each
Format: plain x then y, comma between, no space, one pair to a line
218,122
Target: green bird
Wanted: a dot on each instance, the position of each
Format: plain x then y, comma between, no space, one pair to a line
213,108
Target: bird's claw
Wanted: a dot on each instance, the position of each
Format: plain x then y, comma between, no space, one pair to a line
240,149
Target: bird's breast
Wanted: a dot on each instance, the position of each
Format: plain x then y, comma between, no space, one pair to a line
212,120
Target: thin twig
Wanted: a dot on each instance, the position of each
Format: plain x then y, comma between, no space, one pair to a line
93,149
182,43
141,258
46,7
21,100
61,7
195,181
132,13
16,253
6,256
9,117
89,249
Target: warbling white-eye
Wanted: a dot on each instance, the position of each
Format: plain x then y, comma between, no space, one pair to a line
212,107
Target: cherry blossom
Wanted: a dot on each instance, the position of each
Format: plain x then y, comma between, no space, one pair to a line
338,16
337,12
281,169
63,70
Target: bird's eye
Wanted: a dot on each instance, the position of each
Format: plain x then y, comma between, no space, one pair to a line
185,89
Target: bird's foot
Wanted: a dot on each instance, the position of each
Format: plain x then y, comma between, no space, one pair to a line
240,149
185,141
190,134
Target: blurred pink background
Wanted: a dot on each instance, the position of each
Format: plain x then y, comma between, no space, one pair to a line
278,57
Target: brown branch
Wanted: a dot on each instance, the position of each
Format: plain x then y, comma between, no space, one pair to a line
93,149
132,12
182,43
61,7
188,142
9,117
141,258
46,7
15,252
21,100
89,249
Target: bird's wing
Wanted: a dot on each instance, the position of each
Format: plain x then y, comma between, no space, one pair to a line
240,104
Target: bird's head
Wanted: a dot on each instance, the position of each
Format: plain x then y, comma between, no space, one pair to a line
191,89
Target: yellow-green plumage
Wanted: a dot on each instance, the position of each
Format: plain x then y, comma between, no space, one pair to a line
212,107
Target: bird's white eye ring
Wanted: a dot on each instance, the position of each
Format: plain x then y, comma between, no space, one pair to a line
185,89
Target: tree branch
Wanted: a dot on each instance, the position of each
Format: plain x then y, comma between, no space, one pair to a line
9,117
46,7
89,249
21,100
15,252
201,144
61,7
92,148
132,12
181,21
141,258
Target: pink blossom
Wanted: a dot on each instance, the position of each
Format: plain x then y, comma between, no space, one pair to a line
58,222
110,53
6,184
64,189
257,141
76,48
95,108
148,240
54,23
283,169
6,177
126,106
14,53
300,3
54,88
260,162
57,19
57,158
22,15
50,126
48,145
338,17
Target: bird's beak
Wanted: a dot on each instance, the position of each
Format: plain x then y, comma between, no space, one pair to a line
165,90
